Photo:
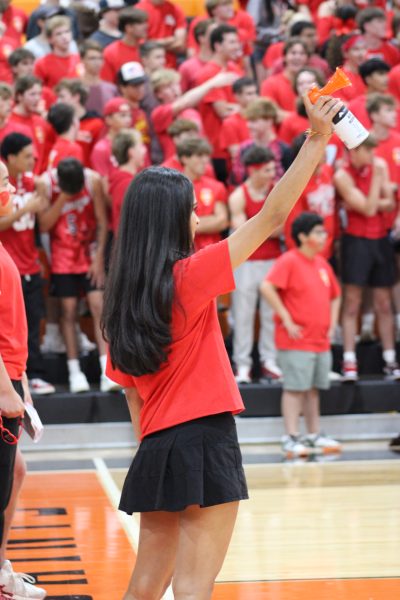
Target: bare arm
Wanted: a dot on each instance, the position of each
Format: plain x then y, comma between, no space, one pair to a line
178,41
215,222
353,197
237,205
335,309
225,109
245,240
135,404
195,95
270,294
50,215
34,205
96,269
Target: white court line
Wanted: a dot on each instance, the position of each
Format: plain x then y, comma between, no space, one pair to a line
129,523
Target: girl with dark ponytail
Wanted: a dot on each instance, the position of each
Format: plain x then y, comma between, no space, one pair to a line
166,350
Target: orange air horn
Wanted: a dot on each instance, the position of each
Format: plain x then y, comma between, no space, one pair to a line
338,81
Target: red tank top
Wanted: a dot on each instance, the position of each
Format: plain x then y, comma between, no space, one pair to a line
271,247
360,225
19,239
73,233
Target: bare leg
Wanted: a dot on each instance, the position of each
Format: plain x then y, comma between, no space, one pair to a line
292,407
311,411
352,297
155,562
19,476
68,325
383,307
204,536
95,302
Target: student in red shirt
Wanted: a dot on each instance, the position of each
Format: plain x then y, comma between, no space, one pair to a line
6,101
212,211
22,63
28,92
15,21
167,351
167,25
305,295
133,24
76,221
60,63
166,87
91,126
129,153
372,24
374,73
191,66
179,131
348,53
13,389
66,125
367,254
117,116
131,80
17,234
235,128
100,92
245,202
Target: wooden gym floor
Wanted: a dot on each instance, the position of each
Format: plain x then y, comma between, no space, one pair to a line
315,531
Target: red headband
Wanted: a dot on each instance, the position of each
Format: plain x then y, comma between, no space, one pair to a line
344,26
351,41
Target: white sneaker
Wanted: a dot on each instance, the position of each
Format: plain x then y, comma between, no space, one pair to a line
271,371
333,376
53,344
84,344
108,385
40,387
18,586
243,374
78,383
320,443
292,446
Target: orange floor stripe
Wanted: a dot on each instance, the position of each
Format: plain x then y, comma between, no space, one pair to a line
67,534
343,589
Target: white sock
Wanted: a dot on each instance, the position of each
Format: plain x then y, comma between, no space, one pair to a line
103,363
368,321
389,356
349,357
52,329
398,321
73,366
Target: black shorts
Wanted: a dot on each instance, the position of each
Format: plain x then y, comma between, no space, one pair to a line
70,286
197,462
367,263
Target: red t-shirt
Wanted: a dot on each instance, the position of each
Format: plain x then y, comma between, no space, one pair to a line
319,197
244,24
358,107
211,121
306,288
15,20
234,131
208,192
52,68
14,127
7,46
102,159
140,122
197,380
163,20
162,117
357,87
119,182
272,54
41,133
271,247
115,55
91,128
359,225
394,82
71,235
13,326
63,149
389,150
292,126
387,52
188,71
19,239
279,89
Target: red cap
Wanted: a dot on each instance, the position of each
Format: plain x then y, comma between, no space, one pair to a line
115,105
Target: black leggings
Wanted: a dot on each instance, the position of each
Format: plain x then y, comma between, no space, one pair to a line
7,460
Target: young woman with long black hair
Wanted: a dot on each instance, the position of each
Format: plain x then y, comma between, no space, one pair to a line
167,351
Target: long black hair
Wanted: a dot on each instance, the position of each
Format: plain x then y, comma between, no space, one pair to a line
154,233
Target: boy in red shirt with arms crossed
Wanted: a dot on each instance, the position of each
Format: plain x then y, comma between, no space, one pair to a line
305,295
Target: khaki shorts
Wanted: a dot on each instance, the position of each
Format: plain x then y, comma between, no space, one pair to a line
303,370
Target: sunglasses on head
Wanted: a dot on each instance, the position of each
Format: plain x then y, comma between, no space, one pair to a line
7,436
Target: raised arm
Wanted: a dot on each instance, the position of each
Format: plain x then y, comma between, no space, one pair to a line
247,238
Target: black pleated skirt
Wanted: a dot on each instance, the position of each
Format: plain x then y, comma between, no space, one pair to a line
197,462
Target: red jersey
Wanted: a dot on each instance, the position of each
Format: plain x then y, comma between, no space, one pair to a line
91,128
211,121
115,55
197,354
271,247
306,287
52,68
163,20
280,89
359,225
13,326
292,126
19,239
394,82
162,117
40,131
208,192
119,181
234,131
15,20
64,149
72,234
318,197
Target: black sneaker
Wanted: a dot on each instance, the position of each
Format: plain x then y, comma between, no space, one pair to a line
392,371
394,444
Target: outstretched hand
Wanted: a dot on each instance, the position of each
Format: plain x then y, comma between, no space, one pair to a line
321,113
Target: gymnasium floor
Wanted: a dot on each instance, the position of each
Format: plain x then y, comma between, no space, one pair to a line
315,531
